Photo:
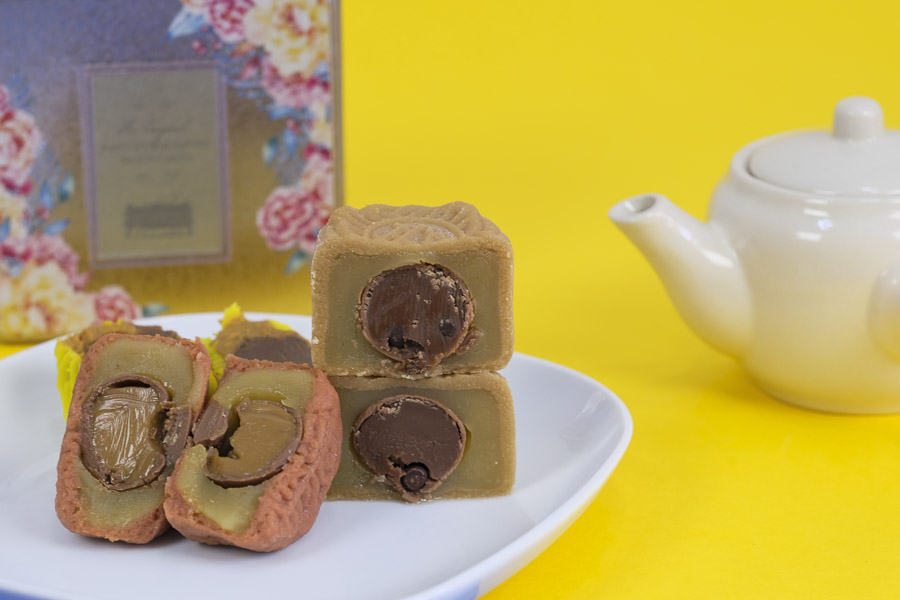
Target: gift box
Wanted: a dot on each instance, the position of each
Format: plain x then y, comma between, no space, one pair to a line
162,156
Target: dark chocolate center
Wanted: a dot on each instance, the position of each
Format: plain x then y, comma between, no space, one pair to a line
415,479
413,441
212,426
416,314
130,431
155,330
289,349
266,435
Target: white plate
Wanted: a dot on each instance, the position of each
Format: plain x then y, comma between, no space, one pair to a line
571,432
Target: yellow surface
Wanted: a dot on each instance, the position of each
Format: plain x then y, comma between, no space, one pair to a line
68,363
545,114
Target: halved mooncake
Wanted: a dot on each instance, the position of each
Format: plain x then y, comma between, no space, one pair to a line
133,406
268,447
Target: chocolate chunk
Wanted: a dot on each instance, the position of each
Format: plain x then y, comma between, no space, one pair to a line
415,479
211,427
267,435
277,349
175,432
130,431
414,442
416,314
155,330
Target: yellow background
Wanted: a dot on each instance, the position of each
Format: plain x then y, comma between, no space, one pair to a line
544,115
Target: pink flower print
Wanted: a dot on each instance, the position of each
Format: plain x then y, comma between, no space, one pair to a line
20,143
42,249
112,303
295,91
315,149
318,176
250,70
227,18
5,106
292,217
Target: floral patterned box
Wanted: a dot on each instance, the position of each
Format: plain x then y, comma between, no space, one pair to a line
162,155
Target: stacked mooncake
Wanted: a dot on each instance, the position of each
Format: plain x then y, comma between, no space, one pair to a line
412,317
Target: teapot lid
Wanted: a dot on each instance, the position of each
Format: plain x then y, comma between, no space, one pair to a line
857,158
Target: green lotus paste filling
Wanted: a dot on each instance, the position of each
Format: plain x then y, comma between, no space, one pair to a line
167,364
231,509
109,508
291,388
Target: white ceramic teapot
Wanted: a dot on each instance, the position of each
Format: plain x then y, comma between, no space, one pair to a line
797,272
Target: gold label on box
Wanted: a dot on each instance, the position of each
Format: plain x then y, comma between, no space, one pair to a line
155,164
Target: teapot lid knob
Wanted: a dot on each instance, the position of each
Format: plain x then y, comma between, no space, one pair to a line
858,118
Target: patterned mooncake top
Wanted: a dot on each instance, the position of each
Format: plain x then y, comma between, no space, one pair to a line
406,226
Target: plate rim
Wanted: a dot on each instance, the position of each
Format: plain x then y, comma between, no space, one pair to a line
525,548
495,568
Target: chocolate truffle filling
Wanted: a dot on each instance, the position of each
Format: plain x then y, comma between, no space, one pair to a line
266,435
276,349
212,426
414,442
131,431
155,330
417,314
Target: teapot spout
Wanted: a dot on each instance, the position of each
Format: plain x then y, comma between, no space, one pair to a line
697,265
